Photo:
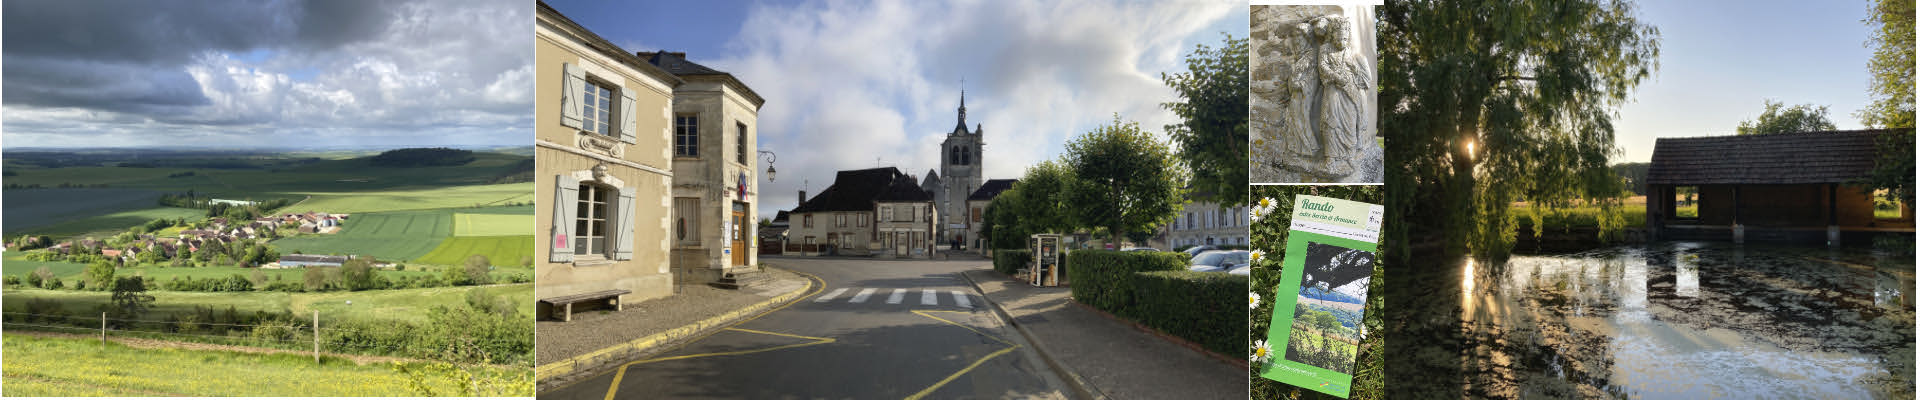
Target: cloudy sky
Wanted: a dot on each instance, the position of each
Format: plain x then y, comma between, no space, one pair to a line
858,84
1721,59
281,74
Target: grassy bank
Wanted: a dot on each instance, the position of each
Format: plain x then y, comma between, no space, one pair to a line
374,305
42,366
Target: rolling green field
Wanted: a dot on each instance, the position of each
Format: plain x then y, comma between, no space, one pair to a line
43,366
29,209
105,225
500,250
15,266
372,305
392,236
467,224
416,198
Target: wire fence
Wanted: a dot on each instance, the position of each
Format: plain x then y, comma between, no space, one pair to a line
336,342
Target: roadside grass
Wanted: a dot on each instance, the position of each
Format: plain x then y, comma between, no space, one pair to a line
418,198
474,224
392,236
373,305
506,251
1633,214
52,367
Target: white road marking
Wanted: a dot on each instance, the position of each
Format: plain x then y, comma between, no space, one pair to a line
830,295
862,296
962,300
927,297
895,298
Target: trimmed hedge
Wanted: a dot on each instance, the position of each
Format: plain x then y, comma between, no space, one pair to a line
1009,260
1103,278
1204,307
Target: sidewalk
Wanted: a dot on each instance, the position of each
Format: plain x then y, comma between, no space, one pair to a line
596,338
1104,357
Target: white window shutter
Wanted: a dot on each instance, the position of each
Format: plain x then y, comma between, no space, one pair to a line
627,116
566,194
573,89
624,235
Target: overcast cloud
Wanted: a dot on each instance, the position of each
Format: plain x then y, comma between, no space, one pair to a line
855,84
266,74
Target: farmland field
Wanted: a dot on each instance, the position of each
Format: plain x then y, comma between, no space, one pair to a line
389,236
500,250
52,366
466,224
14,265
102,226
417,198
372,305
28,209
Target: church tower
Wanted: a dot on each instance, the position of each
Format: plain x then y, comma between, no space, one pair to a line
960,175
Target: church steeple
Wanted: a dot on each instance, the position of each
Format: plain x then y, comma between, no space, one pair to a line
961,125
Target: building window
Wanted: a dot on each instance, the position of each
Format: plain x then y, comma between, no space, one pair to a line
687,220
597,107
840,220
590,221
740,140
807,221
886,213
977,214
809,241
686,135
860,220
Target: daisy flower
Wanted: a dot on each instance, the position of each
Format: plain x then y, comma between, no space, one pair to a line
1261,352
1255,256
1253,300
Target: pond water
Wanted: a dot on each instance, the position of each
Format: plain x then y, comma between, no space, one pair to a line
1664,320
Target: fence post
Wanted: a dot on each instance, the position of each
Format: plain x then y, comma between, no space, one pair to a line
316,336
103,329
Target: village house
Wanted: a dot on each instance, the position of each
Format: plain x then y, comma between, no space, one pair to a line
603,143
876,211
1203,222
1789,187
311,260
977,210
716,178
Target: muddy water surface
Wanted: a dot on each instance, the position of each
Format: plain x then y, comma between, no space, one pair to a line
1665,320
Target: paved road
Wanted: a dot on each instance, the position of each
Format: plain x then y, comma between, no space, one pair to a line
870,329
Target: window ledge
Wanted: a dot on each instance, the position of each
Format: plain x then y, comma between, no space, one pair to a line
591,261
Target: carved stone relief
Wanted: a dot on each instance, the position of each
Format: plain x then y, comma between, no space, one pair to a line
1313,109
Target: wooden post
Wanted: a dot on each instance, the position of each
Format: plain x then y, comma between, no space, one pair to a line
103,329
316,336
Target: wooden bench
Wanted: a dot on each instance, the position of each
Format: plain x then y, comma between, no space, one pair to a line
566,303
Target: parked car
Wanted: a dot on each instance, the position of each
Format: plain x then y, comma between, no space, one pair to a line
1241,270
1196,250
1218,260
1140,249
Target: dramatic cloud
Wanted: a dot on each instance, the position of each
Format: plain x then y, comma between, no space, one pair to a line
859,84
269,74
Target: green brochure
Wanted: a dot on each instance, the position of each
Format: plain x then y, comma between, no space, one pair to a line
1316,328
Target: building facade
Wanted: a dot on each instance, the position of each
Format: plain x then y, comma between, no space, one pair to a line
1203,222
1784,187
715,164
977,211
960,175
868,212
604,162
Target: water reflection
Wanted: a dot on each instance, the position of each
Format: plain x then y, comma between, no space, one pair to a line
1668,320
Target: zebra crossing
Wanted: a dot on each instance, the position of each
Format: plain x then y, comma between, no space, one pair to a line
897,296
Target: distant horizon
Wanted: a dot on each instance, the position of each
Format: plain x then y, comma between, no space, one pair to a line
184,148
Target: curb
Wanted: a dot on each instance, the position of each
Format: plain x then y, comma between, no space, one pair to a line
1079,385
545,372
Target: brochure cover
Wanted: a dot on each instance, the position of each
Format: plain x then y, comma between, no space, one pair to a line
1331,245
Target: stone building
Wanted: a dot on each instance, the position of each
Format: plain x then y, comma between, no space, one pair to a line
1203,222
977,211
715,192
1786,187
960,175
876,211
604,161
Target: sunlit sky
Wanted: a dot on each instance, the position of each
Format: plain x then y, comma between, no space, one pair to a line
859,84
1721,59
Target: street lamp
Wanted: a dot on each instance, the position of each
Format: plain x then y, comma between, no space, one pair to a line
770,164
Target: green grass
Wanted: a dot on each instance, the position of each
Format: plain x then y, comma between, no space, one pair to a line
466,224
387,236
49,367
373,305
1632,214
32,210
500,250
416,198
16,266
106,225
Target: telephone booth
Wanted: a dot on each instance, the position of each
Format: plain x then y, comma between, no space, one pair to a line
1047,259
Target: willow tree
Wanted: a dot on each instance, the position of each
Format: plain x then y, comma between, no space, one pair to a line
1486,102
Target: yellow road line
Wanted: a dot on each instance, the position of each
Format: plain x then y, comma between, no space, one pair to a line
970,367
622,370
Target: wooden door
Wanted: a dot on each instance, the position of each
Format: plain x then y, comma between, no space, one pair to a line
740,237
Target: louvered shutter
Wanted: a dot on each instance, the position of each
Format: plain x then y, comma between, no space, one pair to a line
624,237
566,195
627,122
573,91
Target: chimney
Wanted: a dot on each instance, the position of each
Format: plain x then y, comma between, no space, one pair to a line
803,197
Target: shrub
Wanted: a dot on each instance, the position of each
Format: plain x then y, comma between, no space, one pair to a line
50,309
12,280
1104,278
1204,307
1009,260
477,267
